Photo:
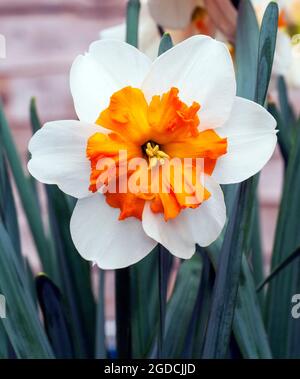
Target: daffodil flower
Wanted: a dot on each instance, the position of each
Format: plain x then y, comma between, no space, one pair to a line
286,58
182,105
181,18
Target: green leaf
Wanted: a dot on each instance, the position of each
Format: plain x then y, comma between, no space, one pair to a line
257,260
283,137
3,343
281,326
278,268
248,326
144,304
132,22
8,211
22,324
26,195
166,43
197,329
267,42
247,50
55,318
227,278
34,118
164,266
74,274
100,325
181,306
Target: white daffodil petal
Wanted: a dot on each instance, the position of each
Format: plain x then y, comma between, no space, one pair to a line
251,138
201,68
173,14
100,237
202,225
108,66
59,155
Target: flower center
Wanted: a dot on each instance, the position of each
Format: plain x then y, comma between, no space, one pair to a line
153,152
155,155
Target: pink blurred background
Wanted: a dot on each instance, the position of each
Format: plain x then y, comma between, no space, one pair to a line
43,37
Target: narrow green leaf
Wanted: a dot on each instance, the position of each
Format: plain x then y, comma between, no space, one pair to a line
55,318
100,325
34,118
281,326
164,266
278,268
197,329
257,260
227,280
247,50
132,22
248,324
26,195
74,274
8,212
22,324
3,343
283,138
181,306
144,304
166,43
267,42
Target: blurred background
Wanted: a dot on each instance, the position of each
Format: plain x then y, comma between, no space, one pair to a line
42,39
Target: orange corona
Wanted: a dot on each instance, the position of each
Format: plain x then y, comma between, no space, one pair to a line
160,130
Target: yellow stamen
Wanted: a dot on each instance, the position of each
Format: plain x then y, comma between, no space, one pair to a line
155,155
296,39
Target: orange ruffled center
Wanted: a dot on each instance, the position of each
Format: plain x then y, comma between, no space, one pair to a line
152,152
